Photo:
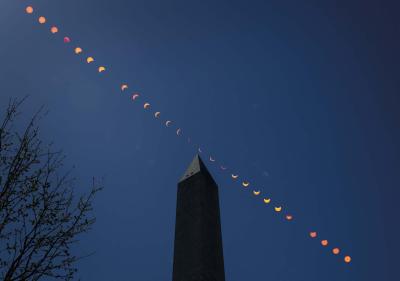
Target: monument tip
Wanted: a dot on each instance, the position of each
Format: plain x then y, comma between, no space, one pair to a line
194,168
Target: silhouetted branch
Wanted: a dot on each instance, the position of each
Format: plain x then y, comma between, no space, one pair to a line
39,217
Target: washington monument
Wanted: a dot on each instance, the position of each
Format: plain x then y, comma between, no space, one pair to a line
198,254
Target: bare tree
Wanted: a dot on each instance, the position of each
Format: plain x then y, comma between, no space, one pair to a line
40,218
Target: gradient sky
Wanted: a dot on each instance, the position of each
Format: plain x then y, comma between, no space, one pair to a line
301,97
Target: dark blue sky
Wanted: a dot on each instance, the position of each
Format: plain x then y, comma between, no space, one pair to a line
301,97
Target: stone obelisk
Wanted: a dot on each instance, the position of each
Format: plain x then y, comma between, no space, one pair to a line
198,254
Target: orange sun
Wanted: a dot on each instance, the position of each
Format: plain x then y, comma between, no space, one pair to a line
54,29
42,20
29,10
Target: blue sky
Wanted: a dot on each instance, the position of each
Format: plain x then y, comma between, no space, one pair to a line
300,97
